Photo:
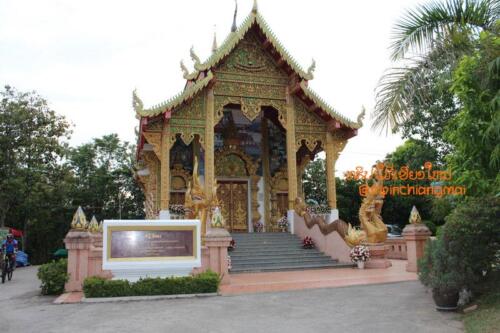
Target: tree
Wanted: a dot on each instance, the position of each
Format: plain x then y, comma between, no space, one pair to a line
440,33
105,184
314,181
475,131
32,141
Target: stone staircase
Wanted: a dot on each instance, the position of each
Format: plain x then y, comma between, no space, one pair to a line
260,252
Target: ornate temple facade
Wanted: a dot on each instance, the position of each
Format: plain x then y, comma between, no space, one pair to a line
249,118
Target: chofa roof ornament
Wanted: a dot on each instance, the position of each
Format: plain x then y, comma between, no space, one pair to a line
234,27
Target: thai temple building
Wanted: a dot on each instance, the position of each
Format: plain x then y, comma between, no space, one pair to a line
248,124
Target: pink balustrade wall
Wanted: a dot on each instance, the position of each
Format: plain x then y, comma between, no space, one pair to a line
396,248
332,244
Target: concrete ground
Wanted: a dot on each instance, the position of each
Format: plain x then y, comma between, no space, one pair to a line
396,307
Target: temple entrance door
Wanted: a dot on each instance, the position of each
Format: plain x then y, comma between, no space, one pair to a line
233,195
282,199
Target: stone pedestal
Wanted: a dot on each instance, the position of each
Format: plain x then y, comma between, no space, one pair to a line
216,242
84,258
78,244
378,256
415,235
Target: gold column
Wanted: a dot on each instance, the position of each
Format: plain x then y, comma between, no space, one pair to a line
165,167
334,146
209,144
330,171
291,152
266,173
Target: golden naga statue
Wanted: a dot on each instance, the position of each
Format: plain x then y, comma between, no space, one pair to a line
371,208
373,231
196,203
349,234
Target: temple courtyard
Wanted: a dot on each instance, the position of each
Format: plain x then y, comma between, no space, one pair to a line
385,307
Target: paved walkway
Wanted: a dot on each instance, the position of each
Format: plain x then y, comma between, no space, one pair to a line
396,307
319,278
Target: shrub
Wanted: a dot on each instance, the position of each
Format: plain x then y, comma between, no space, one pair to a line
466,248
437,268
206,282
53,276
472,232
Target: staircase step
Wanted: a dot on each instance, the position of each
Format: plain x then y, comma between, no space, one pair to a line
257,252
287,267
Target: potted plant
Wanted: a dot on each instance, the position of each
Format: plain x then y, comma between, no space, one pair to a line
437,270
283,224
258,227
232,245
177,211
359,255
307,243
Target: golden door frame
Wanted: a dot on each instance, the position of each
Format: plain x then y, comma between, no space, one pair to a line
252,178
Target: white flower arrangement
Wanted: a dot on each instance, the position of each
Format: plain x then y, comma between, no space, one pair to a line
283,223
359,253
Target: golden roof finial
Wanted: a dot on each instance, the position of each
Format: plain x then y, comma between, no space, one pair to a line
137,103
185,72
214,43
415,216
361,116
255,7
194,56
79,221
93,225
310,70
234,26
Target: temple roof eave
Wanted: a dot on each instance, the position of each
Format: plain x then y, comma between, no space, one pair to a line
178,99
323,105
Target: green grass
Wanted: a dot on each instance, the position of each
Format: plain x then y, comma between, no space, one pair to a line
486,319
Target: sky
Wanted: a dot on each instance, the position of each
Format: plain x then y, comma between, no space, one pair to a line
86,57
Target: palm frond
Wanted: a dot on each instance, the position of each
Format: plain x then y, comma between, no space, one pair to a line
399,89
419,27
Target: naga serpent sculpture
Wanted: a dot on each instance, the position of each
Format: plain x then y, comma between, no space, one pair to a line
374,230
196,203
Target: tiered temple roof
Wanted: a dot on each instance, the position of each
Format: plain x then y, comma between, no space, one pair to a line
203,75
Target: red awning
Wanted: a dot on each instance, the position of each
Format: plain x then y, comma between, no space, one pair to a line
15,232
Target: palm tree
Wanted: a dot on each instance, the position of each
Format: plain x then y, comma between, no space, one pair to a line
429,39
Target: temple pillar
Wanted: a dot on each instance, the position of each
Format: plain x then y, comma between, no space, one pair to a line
333,147
209,144
165,172
266,174
291,156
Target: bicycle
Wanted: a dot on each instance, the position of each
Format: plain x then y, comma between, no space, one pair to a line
7,267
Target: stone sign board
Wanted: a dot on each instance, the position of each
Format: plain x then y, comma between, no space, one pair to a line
151,248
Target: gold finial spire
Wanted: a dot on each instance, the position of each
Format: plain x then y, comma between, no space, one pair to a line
234,27
415,216
255,7
79,221
93,225
214,43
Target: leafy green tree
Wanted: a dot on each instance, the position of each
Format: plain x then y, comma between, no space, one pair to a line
475,131
32,141
314,181
105,184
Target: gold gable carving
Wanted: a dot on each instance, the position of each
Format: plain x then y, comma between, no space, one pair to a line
154,139
189,120
309,128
